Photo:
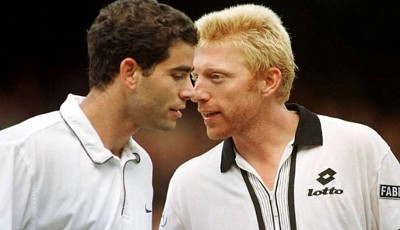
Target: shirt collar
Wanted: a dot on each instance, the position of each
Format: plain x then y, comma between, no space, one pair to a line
83,129
308,132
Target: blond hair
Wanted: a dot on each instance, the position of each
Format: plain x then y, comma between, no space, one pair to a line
258,32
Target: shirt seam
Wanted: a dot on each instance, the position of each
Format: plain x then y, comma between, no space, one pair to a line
375,182
33,187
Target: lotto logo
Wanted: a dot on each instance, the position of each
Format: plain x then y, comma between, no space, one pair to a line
326,176
325,191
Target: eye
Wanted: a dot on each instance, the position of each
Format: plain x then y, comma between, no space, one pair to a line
216,76
179,76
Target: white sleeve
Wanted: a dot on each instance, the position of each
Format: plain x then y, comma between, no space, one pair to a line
388,193
15,188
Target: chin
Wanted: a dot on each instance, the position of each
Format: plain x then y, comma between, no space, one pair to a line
167,126
216,136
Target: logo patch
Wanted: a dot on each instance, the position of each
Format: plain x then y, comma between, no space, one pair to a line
389,191
326,176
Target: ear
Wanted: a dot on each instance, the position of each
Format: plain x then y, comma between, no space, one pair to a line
129,71
270,81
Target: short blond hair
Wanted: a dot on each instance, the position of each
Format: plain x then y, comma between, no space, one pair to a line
259,33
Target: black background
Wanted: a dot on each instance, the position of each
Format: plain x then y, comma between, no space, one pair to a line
345,49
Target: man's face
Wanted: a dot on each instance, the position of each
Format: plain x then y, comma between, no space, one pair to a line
224,90
163,94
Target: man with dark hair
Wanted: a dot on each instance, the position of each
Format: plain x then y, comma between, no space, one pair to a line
79,168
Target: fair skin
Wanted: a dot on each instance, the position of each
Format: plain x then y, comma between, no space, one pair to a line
235,104
134,101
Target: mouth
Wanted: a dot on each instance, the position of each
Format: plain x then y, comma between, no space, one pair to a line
177,111
210,118
209,114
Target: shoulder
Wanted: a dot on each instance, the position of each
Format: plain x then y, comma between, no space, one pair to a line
207,160
193,177
27,136
346,128
347,133
198,168
30,128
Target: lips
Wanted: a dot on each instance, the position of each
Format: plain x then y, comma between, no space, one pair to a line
210,117
209,114
178,108
177,111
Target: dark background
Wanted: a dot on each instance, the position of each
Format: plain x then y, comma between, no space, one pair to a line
347,52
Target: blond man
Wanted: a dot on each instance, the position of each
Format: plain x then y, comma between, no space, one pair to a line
280,166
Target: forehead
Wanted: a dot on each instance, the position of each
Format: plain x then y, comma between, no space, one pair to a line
218,55
180,56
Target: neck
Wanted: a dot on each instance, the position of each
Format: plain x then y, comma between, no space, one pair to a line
106,114
269,136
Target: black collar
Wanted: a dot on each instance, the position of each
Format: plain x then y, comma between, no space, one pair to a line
308,133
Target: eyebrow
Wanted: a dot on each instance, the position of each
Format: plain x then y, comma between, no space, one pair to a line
185,68
213,70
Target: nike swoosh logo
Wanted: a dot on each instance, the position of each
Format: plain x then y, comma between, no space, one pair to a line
147,210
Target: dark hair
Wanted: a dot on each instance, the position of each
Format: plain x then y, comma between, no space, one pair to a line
141,29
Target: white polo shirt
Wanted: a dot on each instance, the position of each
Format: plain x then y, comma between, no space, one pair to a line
334,175
55,173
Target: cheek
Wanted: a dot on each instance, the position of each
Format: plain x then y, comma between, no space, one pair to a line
245,105
160,91
167,88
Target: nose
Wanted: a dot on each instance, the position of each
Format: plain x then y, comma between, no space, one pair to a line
187,91
200,94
